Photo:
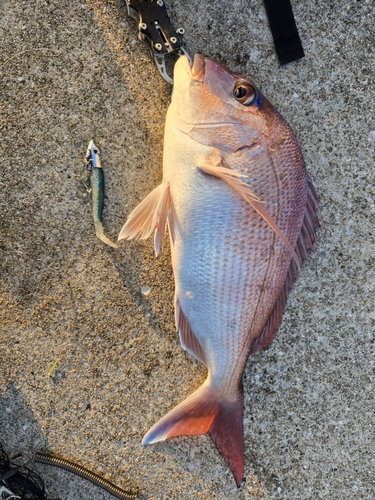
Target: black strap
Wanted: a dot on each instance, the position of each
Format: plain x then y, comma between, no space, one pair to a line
284,30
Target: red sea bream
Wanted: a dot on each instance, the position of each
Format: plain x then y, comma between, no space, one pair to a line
242,216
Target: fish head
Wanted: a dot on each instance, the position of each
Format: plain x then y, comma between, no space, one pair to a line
216,106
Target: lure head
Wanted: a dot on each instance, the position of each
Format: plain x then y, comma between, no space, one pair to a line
93,156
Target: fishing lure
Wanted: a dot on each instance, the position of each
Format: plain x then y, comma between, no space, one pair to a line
94,165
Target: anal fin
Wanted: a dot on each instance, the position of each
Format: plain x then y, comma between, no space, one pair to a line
187,337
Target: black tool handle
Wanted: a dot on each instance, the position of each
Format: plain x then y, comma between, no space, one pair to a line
284,30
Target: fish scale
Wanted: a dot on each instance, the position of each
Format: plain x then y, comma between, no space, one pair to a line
214,272
240,207
237,246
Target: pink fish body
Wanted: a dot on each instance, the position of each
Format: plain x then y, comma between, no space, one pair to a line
242,215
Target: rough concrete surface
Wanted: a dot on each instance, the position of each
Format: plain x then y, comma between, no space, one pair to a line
74,70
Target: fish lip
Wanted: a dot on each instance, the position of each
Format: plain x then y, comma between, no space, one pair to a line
182,64
198,68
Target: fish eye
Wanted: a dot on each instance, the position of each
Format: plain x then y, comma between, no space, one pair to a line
245,93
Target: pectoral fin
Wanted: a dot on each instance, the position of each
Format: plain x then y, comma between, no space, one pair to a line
232,179
163,213
152,213
272,224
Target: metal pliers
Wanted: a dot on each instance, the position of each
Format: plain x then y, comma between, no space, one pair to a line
156,31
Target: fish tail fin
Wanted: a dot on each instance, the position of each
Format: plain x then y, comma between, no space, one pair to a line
207,410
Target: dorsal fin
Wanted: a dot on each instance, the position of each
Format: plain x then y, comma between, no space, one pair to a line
306,239
187,338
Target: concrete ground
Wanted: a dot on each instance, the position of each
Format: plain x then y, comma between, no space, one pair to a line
74,70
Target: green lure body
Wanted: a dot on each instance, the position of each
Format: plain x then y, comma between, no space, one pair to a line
97,194
94,164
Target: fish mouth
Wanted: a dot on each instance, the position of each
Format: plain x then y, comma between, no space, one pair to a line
198,68
194,72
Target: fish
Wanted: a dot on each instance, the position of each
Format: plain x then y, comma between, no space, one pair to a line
242,216
94,164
